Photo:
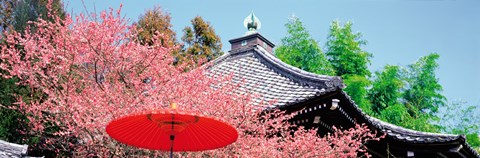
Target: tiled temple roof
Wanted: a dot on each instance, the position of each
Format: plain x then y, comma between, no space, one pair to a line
11,150
265,74
408,135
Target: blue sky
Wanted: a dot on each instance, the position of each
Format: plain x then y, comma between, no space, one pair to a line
398,31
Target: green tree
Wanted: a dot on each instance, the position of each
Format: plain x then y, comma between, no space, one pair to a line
398,114
201,44
156,20
460,118
386,88
407,97
299,49
12,120
356,89
6,14
32,10
350,61
423,90
344,52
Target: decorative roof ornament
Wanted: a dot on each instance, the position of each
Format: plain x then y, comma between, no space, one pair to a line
252,23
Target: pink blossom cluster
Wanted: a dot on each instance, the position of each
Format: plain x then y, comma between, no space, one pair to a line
86,71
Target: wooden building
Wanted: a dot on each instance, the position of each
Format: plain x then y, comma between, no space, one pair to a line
319,101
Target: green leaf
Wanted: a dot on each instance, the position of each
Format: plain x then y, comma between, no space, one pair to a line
299,49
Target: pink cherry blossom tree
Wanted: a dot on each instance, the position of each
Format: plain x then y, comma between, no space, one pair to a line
87,71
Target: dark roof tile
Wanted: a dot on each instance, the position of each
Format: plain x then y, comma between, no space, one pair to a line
275,80
11,150
266,75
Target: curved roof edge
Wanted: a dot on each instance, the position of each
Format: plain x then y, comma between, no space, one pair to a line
303,77
399,129
331,83
403,134
8,149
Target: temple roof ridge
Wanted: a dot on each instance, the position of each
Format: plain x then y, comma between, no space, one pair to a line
272,58
311,79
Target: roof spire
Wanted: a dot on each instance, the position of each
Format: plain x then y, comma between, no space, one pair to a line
252,23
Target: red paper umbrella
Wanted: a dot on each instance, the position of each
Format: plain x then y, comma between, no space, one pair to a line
172,131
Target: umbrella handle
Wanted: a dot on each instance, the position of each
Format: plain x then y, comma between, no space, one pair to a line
172,137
